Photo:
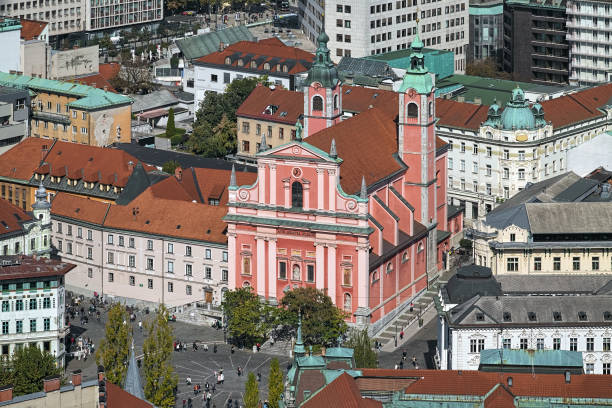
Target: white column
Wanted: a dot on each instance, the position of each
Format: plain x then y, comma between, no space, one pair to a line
273,184
362,276
261,180
261,266
231,260
331,273
272,268
320,189
306,196
332,189
320,266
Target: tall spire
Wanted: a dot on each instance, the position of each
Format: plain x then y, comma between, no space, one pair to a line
132,378
323,70
41,202
263,145
299,350
233,177
332,150
364,189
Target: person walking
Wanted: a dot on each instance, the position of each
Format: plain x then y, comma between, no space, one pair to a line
401,364
188,380
414,361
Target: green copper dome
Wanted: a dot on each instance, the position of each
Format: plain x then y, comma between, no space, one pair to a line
517,114
323,70
417,77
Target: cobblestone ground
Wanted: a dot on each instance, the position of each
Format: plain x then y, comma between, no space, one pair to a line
198,365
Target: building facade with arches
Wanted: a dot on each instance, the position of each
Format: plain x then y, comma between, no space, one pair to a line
354,207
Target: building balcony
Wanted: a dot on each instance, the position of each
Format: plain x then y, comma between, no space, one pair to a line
589,27
580,39
51,117
572,11
549,44
550,70
12,130
551,57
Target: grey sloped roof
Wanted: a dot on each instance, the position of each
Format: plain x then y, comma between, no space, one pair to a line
508,216
469,281
349,66
519,307
204,44
578,190
138,182
554,284
153,100
132,378
544,191
575,218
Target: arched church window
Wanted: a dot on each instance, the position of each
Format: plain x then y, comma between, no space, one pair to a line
335,102
413,110
317,103
389,267
296,273
348,302
297,195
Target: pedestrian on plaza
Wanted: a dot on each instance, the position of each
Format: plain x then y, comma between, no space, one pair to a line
206,386
258,377
195,390
396,366
401,365
188,380
258,346
140,325
401,335
205,347
404,355
214,388
215,348
239,371
236,404
222,378
232,349
229,402
195,346
414,361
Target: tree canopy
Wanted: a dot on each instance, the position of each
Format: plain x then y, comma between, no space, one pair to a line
322,322
248,320
360,342
251,392
275,385
170,166
486,68
27,369
114,348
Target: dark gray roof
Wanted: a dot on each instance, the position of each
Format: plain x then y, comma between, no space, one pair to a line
575,218
154,100
505,217
204,44
553,284
470,280
157,157
184,96
138,182
535,311
349,66
577,191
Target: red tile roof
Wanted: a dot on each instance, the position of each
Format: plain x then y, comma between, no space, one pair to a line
119,398
277,55
31,29
460,114
341,393
110,70
32,267
79,208
366,143
92,163
359,99
11,218
95,80
573,108
290,105
499,398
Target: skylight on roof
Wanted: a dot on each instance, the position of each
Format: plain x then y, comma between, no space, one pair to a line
607,315
557,316
531,316
283,114
582,316
507,317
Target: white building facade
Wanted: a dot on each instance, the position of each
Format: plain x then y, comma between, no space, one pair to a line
33,311
573,323
589,37
361,28
10,34
63,16
510,149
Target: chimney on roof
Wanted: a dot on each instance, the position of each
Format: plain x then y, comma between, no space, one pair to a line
131,166
44,150
461,99
568,377
6,393
509,381
12,71
178,173
105,88
93,84
76,377
51,383
478,101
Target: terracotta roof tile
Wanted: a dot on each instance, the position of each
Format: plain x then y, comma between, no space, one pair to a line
31,267
11,218
373,132
569,109
296,59
341,393
501,397
95,80
359,99
118,398
110,70
79,208
31,29
460,114
290,105
93,163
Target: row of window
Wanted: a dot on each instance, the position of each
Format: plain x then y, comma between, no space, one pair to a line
58,109
9,197
17,246
537,263
132,282
45,124
188,272
6,329
33,304
477,345
475,187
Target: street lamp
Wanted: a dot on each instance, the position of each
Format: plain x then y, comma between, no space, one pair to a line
396,335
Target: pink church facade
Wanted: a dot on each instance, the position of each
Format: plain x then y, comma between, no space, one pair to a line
354,207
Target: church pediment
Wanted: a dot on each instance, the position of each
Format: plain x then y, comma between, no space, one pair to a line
299,150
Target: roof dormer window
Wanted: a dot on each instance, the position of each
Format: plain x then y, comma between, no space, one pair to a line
240,62
228,61
285,69
254,64
266,66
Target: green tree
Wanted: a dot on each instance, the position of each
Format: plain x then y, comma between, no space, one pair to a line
170,127
170,166
223,140
210,110
236,93
160,378
248,320
29,367
487,68
114,348
275,386
197,141
322,322
251,392
360,342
